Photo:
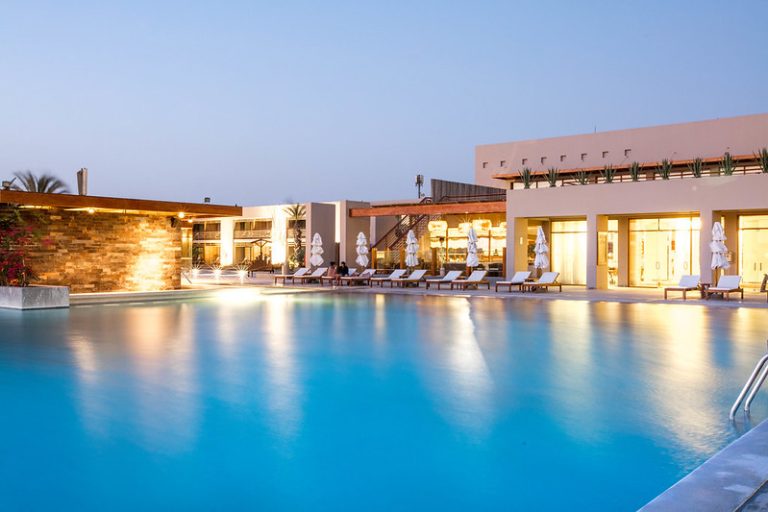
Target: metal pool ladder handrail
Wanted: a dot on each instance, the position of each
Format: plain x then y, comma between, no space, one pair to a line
752,386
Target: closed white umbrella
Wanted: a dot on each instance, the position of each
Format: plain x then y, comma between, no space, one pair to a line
411,250
472,260
542,250
718,248
362,250
316,251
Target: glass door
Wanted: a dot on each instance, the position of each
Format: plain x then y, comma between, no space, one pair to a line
753,248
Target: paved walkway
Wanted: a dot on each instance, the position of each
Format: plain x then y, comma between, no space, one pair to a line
644,295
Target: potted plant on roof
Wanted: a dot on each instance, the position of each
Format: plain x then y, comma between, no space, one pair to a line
17,235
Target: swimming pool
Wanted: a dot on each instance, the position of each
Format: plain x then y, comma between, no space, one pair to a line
351,402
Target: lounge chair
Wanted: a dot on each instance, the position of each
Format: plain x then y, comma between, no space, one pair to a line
363,278
546,280
517,280
415,278
314,276
726,285
686,284
448,278
335,278
475,279
299,272
397,274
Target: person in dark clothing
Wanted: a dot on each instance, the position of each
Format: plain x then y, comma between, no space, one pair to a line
342,270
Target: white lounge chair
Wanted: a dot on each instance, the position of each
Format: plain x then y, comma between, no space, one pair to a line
363,278
517,280
299,272
448,278
415,278
686,284
546,280
726,285
476,278
314,276
336,279
397,274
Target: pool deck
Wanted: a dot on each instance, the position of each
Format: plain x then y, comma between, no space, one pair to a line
752,299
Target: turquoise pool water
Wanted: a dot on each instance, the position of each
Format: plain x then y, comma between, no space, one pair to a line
336,402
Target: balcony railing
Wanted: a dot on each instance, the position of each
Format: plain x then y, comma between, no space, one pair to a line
252,234
206,235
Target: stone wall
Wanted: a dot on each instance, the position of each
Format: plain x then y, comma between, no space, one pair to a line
107,251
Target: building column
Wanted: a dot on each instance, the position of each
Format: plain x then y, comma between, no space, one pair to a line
622,240
597,263
517,245
731,227
707,218
227,241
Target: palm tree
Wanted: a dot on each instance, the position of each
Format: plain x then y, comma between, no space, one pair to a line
296,212
45,183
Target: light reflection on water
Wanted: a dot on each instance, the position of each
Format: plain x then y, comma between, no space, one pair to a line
438,402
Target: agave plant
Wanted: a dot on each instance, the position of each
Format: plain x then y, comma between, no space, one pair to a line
727,165
762,159
552,174
608,173
665,169
696,167
45,183
526,176
634,171
582,177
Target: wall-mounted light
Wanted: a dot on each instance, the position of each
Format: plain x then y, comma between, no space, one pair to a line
521,241
91,211
182,215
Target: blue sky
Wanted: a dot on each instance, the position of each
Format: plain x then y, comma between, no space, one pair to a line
261,102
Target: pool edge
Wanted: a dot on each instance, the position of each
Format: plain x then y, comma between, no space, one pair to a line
725,482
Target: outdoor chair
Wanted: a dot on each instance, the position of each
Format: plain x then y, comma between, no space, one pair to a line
686,284
517,280
415,278
397,274
546,280
475,279
448,278
363,278
726,285
299,272
336,279
314,276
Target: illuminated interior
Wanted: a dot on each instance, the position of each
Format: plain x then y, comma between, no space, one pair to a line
568,250
662,250
753,248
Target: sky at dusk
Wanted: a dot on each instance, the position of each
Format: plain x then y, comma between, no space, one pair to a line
264,102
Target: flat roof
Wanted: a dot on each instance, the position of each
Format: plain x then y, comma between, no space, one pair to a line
118,204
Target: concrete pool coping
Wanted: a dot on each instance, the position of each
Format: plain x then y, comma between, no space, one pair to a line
725,482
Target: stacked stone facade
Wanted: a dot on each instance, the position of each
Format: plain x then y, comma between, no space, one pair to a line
102,251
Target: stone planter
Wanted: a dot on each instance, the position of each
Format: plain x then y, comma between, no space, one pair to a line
34,297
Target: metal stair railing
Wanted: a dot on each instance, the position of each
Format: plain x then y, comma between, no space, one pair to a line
752,386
